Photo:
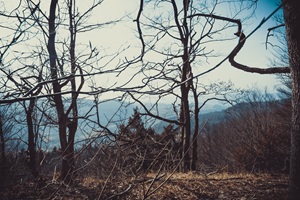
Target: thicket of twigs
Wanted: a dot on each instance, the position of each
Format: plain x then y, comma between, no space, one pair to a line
235,160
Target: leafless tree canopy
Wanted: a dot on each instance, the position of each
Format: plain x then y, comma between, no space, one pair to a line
74,111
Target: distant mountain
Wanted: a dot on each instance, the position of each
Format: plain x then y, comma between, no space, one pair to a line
116,112
111,114
214,117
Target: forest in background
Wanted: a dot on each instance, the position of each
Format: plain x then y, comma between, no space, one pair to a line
250,137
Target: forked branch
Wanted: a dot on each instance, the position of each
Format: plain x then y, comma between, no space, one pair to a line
242,40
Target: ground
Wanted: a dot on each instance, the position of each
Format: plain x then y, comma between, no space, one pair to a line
185,186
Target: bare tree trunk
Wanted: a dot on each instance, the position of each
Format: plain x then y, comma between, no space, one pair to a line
196,130
292,18
3,155
31,139
67,153
186,129
185,86
67,117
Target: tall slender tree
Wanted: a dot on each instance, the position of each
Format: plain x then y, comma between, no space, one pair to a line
178,38
67,80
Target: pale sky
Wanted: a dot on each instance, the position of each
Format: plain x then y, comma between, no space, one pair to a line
121,35
254,52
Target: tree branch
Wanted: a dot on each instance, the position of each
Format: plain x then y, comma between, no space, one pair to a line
242,40
152,115
140,29
269,32
271,70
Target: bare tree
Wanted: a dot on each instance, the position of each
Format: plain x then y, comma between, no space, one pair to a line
219,92
67,115
60,77
291,15
178,38
252,136
15,83
3,154
68,80
7,136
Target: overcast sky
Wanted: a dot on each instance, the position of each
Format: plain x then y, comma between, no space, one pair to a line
254,52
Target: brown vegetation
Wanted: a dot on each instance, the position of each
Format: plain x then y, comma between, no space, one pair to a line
178,186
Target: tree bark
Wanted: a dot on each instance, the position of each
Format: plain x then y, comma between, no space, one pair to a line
184,33
3,154
196,130
186,129
67,153
292,18
67,117
31,140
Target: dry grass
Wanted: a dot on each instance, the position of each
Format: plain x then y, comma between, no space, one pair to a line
223,186
178,186
197,186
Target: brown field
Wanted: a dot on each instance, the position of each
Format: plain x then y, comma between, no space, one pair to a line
163,186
